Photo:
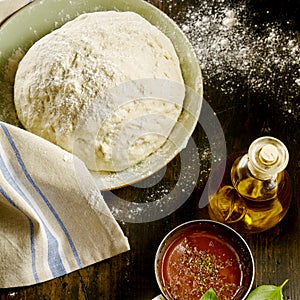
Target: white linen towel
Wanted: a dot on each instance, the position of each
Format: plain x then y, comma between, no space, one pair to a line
53,219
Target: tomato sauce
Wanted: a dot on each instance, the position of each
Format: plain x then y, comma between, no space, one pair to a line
198,260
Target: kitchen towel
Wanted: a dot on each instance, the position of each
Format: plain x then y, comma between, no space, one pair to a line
53,219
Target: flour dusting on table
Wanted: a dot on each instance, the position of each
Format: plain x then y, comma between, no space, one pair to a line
235,52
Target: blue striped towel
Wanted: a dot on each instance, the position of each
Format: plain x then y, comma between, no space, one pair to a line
53,219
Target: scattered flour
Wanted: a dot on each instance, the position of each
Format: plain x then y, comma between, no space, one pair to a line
237,54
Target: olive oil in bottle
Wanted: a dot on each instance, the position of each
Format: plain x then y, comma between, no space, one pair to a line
257,192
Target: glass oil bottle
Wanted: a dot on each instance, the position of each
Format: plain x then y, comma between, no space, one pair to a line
256,190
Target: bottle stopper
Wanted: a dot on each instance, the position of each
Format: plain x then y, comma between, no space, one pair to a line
267,157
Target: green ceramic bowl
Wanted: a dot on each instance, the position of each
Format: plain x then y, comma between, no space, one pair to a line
25,27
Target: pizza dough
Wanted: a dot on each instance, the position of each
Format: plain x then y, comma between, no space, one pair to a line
106,86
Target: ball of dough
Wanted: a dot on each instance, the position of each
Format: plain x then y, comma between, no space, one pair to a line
106,86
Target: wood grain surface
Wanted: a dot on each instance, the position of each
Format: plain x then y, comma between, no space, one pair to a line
244,116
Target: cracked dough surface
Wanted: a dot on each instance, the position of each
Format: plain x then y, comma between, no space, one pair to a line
106,86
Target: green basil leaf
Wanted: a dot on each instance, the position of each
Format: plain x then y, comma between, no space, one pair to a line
209,295
267,292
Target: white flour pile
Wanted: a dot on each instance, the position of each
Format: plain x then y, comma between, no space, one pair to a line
235,54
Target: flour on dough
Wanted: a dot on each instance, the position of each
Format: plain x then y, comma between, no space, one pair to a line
106,86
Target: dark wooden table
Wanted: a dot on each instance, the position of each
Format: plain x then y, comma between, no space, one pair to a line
245,114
